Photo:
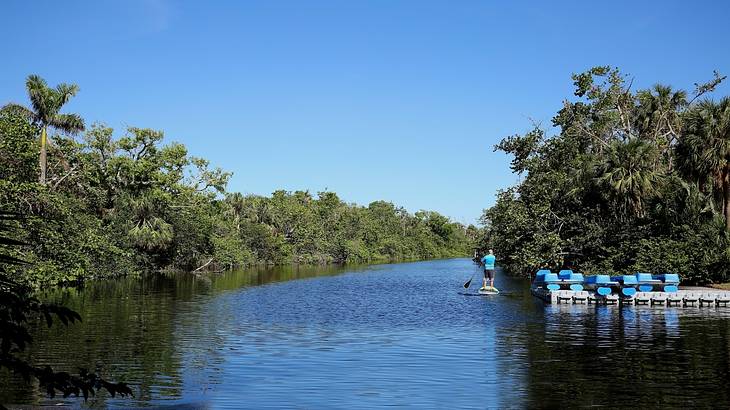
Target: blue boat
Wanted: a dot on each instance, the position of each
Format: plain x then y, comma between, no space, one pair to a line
629,284
571,280
565,279
669,280
602,284
628,292
626,280
546,279
647,282
567,276
598,281
541,274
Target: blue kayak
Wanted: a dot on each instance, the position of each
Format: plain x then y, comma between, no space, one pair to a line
600,281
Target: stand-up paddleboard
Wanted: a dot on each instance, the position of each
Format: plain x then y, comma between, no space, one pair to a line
488,290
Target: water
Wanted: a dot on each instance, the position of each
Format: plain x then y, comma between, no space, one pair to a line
385,335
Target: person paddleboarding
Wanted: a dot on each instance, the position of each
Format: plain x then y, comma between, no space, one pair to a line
488,260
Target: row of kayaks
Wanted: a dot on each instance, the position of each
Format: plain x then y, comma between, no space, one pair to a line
605,284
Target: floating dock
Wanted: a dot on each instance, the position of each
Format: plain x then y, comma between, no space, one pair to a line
699,297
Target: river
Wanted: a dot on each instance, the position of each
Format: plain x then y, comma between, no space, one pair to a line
382,335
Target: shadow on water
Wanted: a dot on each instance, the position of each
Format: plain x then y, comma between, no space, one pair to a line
629,357
383,335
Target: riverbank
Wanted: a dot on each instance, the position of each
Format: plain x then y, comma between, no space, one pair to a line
115,203
211,268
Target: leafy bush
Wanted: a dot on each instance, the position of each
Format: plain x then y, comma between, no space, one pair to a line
632,181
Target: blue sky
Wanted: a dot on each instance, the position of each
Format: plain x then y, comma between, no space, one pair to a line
382,99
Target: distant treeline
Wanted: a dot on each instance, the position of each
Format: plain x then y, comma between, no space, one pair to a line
98,205
631,181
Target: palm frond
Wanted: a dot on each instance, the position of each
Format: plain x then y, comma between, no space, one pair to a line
64,92
41,97
70,123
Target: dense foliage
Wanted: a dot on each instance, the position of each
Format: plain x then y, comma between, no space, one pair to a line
112,205
631,181
18,309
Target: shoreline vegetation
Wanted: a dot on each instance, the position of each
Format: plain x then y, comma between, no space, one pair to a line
630,181
96,203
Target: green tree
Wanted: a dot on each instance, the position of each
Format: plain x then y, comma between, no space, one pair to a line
46,103
629,181
134,203
704,150
18,308
628,175
659,117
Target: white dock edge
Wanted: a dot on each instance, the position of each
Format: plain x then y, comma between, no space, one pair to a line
683,297
689,298
674,299
565,296
642,298
580,297
658,298
707,299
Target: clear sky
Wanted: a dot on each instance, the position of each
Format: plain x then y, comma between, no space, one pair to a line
382,99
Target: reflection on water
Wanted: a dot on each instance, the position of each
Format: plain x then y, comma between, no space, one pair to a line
633,356
400,334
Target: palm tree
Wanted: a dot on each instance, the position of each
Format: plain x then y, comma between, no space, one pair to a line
235,204
628,175
659,108
704,151
46,103
658,117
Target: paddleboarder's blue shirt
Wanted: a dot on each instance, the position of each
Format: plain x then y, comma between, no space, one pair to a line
488,261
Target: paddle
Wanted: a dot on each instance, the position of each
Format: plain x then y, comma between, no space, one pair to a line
468,282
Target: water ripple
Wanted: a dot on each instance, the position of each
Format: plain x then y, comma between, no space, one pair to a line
401,335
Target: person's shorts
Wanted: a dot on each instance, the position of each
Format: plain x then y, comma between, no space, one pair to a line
489,273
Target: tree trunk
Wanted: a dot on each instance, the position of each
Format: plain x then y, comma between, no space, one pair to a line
42,159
